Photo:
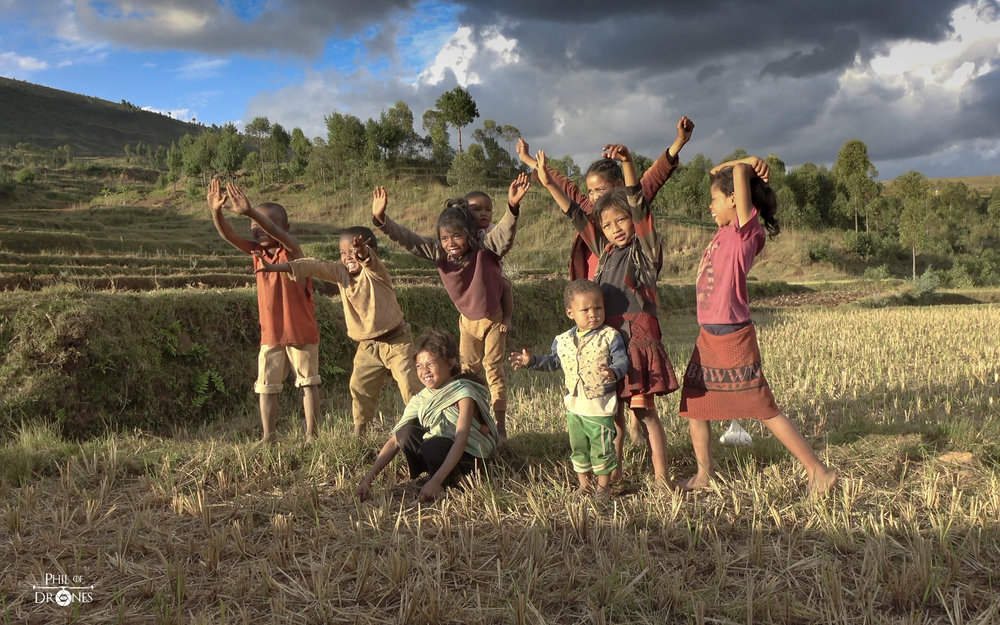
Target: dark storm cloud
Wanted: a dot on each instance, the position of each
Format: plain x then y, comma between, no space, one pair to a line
837,53
792,36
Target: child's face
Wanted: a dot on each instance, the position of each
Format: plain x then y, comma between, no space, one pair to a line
262,238
618,226
433,371
598,185
482,211
454,242
723,207
347,256
587,310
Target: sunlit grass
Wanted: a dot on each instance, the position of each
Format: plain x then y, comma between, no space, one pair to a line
202,527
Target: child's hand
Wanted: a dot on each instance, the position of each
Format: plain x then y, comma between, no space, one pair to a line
361,492
543,174
684,129
522,147
759,167
429,492
380,200
617,151
267,267
241,205
520,361
359,248
607,374
216,198
518,189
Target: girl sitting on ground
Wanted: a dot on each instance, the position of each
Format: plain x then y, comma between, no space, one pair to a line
446,430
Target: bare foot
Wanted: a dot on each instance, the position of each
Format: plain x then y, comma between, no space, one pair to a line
822,481
617,475
582,491
603,493
695,482
359,429
267,439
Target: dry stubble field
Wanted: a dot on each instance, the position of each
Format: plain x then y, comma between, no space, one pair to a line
200,527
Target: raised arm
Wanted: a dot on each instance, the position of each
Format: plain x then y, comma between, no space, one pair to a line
241,205
666,163
545,177
620,153
216,202
584,226
466,415
757,164
500,239
423,247
524,154
742,173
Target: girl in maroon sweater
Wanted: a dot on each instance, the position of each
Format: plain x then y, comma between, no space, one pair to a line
470,271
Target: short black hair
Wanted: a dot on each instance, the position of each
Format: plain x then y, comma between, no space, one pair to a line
273,208
360,231
472,195
606,168
580,287
613,198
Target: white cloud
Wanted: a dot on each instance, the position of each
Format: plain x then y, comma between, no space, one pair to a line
455,56
200,69
16,66
182,114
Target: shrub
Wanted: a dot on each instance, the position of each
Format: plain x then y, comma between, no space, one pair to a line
877,273
25,176
926,285
821,252
960,277
865,244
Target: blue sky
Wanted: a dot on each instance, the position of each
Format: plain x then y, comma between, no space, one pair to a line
918,81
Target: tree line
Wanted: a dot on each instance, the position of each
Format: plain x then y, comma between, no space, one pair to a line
904,218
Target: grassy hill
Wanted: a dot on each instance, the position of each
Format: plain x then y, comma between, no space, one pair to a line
48,118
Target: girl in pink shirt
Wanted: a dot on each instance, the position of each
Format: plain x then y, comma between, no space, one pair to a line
724,379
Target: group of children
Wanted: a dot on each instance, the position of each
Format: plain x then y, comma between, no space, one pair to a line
613,358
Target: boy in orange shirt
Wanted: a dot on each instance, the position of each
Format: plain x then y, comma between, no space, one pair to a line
289,334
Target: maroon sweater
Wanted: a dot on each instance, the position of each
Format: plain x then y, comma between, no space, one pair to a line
475,281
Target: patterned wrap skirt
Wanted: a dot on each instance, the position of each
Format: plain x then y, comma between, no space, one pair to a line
650,371
725,379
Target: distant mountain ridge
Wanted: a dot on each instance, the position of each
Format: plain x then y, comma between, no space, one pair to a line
48,118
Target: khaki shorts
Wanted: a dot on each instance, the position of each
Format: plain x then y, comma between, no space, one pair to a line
273,364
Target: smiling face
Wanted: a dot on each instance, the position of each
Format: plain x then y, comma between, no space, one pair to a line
347,256
433,370
723,207
587,310
617,225
598,185
454,242
481,208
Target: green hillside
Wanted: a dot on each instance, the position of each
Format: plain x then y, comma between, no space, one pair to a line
49,118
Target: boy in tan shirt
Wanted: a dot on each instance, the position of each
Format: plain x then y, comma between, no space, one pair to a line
373,318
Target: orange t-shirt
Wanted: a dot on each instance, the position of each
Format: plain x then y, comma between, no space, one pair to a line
286,307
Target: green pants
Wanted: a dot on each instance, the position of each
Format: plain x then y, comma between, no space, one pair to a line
592,443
